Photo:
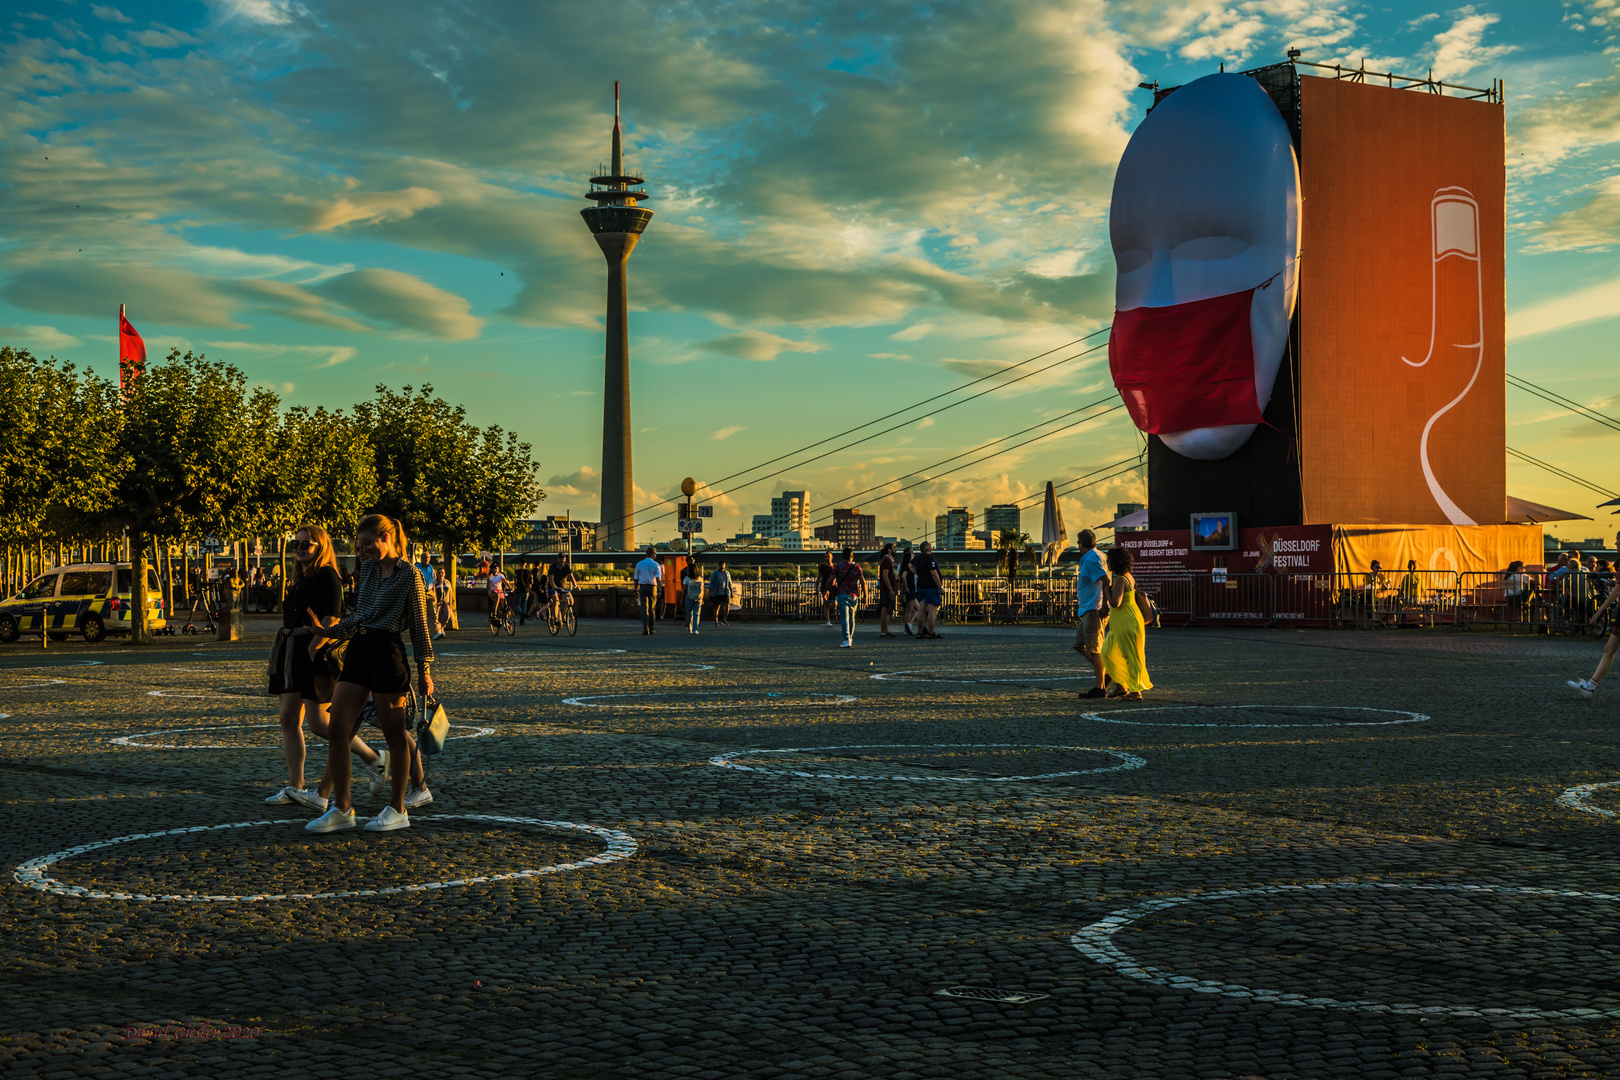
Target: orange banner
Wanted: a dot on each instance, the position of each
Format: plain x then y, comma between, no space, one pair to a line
1401,306
1461,549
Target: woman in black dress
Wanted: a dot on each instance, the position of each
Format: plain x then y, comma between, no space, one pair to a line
391,598
303,675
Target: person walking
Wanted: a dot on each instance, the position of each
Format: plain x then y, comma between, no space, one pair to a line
390,599
1091,612
1587,687
694,602
522,584
720,589
1124,648
648,577
303,676
930,589
850,580
908,591
827,587
887,590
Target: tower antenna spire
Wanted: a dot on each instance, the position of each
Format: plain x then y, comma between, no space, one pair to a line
618,139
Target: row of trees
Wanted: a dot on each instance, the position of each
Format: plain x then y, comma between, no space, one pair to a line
190,450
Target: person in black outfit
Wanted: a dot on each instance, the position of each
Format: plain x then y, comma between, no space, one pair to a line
305,677
522,583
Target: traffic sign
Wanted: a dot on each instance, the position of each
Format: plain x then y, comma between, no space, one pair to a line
705,511
212,544
690,525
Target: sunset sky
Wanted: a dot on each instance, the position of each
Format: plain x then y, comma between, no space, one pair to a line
857,206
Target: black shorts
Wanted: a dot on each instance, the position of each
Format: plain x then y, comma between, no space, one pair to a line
376,661
886,601
314,679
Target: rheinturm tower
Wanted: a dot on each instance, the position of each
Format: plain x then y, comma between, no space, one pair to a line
617,222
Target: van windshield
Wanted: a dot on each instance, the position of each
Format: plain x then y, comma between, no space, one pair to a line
124,578
85,582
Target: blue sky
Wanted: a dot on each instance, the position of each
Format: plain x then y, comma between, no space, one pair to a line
856,206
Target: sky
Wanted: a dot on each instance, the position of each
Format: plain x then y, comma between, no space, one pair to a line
856,206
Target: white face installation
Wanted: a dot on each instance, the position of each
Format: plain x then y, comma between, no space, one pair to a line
1206,204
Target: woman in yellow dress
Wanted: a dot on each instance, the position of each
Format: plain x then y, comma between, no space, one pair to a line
1124,651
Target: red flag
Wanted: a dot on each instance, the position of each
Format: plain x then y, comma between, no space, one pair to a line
131,352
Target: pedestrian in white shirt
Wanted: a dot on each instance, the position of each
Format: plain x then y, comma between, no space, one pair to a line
694,601
648,575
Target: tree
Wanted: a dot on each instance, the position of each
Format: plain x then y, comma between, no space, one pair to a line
197,446
1011,543
443,478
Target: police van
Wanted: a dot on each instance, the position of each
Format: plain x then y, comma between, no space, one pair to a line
79,599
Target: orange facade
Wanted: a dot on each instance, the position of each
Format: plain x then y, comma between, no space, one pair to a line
1401,306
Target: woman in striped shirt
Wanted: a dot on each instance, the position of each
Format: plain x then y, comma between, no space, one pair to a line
391,598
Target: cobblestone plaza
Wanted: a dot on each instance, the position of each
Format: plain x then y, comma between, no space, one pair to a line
753,854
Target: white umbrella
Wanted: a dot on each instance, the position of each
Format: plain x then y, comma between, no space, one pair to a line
1054,538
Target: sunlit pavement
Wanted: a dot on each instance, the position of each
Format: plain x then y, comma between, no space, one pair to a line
752,854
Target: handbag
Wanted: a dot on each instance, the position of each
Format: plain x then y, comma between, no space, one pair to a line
432,726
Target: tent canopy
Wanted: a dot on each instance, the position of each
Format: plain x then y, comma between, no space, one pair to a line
1525,512
1136,519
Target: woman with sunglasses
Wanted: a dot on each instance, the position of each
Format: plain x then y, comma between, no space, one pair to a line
390,598
303,676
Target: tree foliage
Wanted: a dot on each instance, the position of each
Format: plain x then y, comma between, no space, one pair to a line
58,458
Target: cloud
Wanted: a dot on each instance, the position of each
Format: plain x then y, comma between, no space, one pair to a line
370,208
1458,49
1591,304
154,294
727,432
267,12
758,345
1594,226
582,481
390,296
108,14
314,356
41,337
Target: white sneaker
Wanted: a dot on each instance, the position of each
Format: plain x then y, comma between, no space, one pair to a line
417,796
829,624
845,644
307,797
387,821
282,798
377,772
1585,686
334,820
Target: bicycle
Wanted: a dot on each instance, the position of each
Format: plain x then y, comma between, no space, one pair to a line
501,616
561,614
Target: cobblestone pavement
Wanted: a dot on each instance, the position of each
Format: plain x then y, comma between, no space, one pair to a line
753,854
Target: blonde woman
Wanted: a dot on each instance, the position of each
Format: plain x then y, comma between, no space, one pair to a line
1124,647
390,599
302,676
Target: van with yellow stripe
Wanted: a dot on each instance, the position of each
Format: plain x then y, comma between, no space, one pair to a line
79,599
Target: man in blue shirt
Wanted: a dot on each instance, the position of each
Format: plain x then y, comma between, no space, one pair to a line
649,576
1089,582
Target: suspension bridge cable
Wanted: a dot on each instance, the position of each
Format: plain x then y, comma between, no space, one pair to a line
1558,399
888,416
1561,473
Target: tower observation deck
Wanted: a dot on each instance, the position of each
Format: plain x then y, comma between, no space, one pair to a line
617,221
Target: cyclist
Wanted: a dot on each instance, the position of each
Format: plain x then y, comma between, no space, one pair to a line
497,594
561,576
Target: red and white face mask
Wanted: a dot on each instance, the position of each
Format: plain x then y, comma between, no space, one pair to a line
1205,230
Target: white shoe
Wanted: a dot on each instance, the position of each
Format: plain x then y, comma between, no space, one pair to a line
307,797
829,624
439,635
1585,686
334,820
417,797
377,772
281,798
389,820
846,644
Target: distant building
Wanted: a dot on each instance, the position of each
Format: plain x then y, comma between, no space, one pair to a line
990,538
1122,509
790,512
803,540
547,534
953,529
850,528
1004,517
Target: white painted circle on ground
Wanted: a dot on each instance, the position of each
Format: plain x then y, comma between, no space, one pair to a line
758,700
130,740
531,653
1575,798
53,667
1126,761
1097,943
1406,716
1015,674
637,670
37,684
620,845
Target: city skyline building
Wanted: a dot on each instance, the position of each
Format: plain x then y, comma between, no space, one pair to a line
790,513
953,528
1003,518
617,222
849,528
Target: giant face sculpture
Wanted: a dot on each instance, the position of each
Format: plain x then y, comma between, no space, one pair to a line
1205,230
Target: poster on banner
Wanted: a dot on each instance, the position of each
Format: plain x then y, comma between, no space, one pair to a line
1284,549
